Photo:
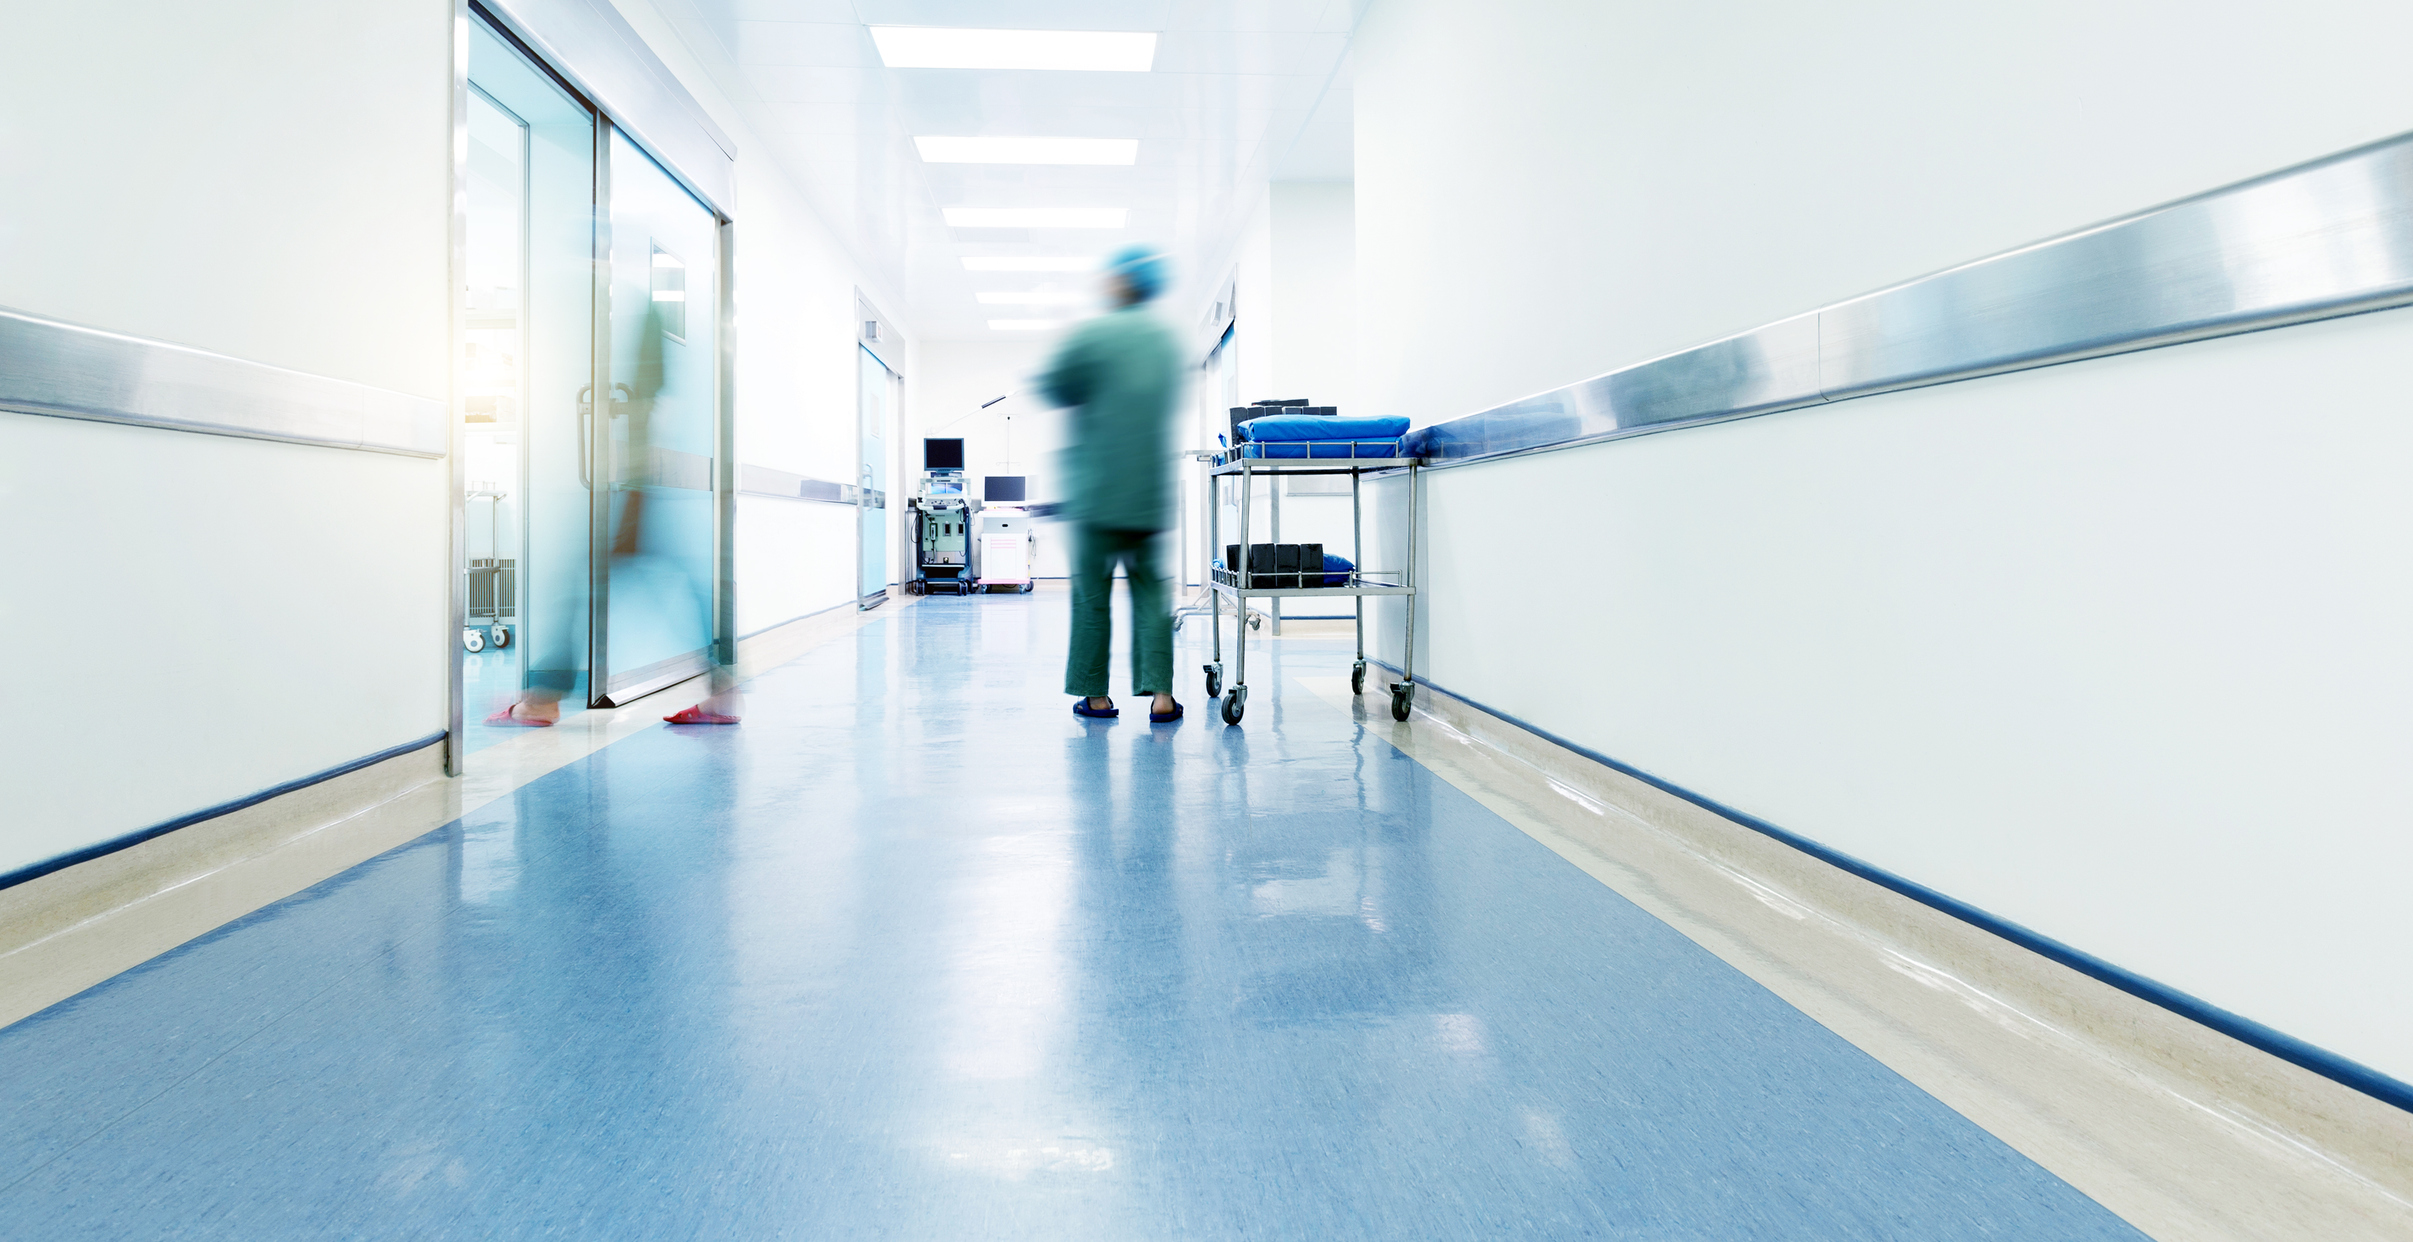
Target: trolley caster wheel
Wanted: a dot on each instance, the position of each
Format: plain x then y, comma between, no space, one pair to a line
1256,622
1234,704
472,641
499,636
1401,693
1357,677
1214,674
1028,587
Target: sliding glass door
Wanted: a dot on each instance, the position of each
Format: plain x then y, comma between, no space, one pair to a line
657,523
529,315
877,396
594,408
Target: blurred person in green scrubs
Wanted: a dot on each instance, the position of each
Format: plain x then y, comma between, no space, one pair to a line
1120,374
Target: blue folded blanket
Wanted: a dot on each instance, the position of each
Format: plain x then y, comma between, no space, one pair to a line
1322,448
1311,427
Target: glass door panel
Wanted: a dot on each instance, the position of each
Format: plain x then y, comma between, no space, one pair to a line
529,315
877,394
655,559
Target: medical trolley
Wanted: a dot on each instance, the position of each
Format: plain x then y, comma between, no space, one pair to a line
1240,583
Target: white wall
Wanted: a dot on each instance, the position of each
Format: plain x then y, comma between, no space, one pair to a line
2108,649
1313,295
797,379
272,182
1295,335
1548,191
221,616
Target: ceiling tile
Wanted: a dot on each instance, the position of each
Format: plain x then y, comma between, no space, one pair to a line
821,44
1019,14
1298,15
781,84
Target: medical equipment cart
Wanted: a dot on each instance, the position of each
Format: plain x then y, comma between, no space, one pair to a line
490,593
1236,583
942,530
942,538
1005,548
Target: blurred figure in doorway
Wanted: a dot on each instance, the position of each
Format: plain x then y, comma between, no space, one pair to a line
636,565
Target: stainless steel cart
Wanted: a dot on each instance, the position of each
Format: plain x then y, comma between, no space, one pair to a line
490,595
1237,585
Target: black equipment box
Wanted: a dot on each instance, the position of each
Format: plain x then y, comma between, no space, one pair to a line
1279,566
1244,413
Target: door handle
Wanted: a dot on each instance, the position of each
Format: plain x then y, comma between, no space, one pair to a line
586,428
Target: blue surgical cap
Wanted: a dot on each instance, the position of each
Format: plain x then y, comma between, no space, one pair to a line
1144,268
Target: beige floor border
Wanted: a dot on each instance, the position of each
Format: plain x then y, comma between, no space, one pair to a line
2182,1131
64,932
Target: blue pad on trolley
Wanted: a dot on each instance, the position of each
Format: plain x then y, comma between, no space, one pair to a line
1317,427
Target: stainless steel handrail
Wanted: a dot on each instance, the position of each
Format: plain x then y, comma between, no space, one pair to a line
782,485
2328,238
64,370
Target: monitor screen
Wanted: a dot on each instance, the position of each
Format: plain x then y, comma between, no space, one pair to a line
942,454
1002,488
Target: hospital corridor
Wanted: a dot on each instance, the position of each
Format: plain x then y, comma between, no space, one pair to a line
1206,619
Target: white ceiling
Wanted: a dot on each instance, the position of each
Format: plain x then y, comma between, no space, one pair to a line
1241,91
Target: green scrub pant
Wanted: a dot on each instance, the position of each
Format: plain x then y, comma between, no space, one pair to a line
1094,556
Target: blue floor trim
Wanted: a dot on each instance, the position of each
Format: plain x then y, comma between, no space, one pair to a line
137,837
2236,1026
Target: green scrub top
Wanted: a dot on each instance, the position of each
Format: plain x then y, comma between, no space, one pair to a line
1121,375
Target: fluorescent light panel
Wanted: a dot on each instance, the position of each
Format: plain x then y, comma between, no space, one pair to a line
1035,217
1028,150
1025,325
947,47
1028,263
1033,297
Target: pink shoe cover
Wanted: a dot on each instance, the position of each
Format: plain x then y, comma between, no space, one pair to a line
504,717
697,715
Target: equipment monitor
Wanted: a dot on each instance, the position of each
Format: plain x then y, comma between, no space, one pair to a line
942,454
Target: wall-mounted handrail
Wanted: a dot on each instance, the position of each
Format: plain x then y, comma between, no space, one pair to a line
64,370
2328,238
781,485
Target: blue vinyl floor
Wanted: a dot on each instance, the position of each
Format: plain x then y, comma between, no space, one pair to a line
915,954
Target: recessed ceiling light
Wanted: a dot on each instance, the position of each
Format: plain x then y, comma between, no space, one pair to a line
946,47
1025,325
1034,297
1035,217
1023,263
1028,150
